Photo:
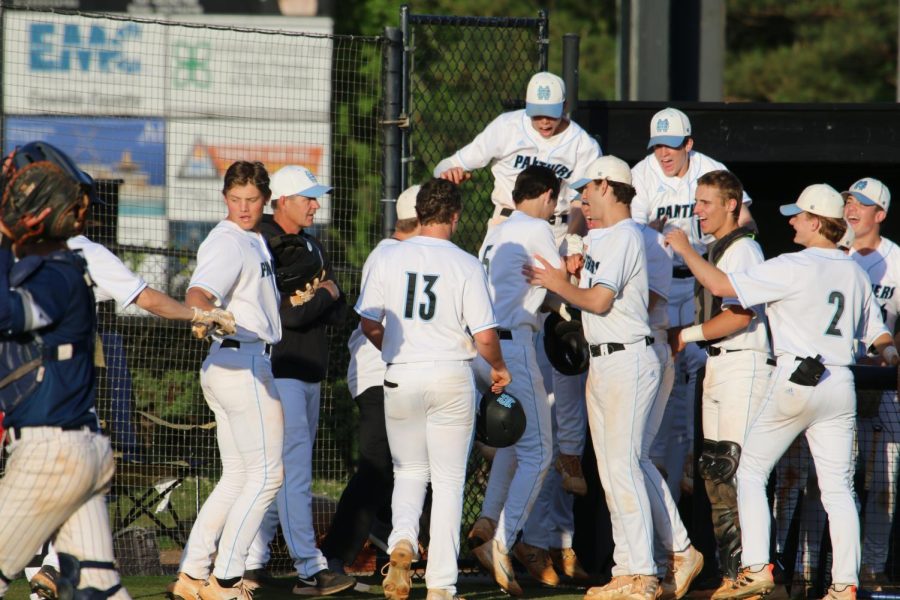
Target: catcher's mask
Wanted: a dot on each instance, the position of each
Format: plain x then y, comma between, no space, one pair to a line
45,195
500,421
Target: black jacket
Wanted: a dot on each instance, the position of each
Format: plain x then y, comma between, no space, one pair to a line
302,352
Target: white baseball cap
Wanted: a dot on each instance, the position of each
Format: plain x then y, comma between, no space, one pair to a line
819,199
848,238
546,96
669,127
870,192
294,180
605,167
406,203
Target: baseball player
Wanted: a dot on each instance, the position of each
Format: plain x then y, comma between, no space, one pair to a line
624,372
426,304
540,134
235,270
46,304
819,302
369,490
866,205
518,471
666,181
299,363
739,363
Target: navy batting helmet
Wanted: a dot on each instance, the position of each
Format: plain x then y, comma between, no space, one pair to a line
565,345
500,421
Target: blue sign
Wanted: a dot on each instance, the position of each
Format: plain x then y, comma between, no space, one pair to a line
96,48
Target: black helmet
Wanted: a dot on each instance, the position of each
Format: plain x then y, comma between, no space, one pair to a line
500,421
565,345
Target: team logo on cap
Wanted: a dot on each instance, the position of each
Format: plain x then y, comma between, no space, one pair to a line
506,400
310,175
543,92
662,126
860,185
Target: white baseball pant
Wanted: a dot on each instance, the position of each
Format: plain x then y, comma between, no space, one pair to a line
240,390
430,416
293,504
622,387
734,385
518,471
57,480
827,413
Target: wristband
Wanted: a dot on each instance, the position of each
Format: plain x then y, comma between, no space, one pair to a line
692,334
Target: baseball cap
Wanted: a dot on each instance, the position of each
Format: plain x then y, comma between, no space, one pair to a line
848,238
406,203
546,96
294,180
669,127
870,192
819,199
605,167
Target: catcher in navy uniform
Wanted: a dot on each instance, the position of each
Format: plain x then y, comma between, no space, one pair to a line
47,316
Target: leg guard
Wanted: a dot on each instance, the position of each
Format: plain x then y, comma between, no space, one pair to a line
70,576
718,474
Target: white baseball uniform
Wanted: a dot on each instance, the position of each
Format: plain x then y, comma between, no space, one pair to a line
510,144
623,379
432,297
879,435
736,371
819,302
668,527
518,471
235,266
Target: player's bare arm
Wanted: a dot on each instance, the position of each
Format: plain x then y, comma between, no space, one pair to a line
373,330
597,299
163,305
199,298
488,344
731,320
884,345
710,277
456,174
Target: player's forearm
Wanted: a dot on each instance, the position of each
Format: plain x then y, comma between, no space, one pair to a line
487,342
162,305
726,323
373,330
597,299
707,274
884,345
197,297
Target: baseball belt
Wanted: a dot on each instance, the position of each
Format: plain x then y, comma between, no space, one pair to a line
610,347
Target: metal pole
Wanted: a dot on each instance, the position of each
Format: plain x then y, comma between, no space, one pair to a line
393,59
543,39
570,70
405,96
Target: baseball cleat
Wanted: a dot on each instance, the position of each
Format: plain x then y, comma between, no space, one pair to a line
184,587
323,583
497,563
837,591
398,580
213,590
569,466
565,562
537,562
686,565
43,584
482,532
627,587
750,583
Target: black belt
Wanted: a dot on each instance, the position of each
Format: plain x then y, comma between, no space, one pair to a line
229,343
554,219
16,432
506,212
681,272
713,351
610,347
505,334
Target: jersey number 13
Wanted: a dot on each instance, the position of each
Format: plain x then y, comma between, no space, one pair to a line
428,301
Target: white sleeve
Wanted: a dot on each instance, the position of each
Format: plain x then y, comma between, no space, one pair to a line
370,303
764,283
659,267
113,280
478,312
741,256
480,151
872,320
219,263
617,262
640,204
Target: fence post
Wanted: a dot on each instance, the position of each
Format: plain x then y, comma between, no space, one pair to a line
570,70
543,39
393,92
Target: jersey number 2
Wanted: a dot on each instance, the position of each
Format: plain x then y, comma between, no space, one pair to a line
837,299
426,308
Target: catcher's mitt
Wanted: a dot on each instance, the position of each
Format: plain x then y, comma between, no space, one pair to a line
298,263
41,202
218,321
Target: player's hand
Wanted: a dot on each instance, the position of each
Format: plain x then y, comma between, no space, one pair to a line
678,240
456,174
500,378
217,320
658,224
574,263
548,277
331,287
675,340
